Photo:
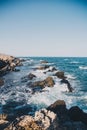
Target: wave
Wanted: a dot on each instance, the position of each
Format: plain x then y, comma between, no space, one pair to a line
83,67
74,62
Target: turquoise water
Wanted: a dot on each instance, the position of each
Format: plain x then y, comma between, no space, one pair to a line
15,94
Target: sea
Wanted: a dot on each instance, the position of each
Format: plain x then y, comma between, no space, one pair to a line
16,95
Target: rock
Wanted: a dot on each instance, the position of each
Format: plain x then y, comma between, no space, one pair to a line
31,76
1,82
59,107
68,84
24,123
2,64
49,82
28,77
44,62
43,67
8,63
60,74
3,116
47,119
43,120
76,114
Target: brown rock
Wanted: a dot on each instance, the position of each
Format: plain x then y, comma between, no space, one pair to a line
47,82
60,74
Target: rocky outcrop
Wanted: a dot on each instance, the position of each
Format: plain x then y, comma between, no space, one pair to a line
43,120
47,119
76,114
49,82
55,117
8,63
60,74
68,84
59,107
71,119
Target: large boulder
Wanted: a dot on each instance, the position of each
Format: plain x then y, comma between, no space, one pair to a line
59,107
76,114
47,119
49,82
24,123
43,120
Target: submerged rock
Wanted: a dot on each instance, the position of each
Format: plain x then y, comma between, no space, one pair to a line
44,62
1,82
31,76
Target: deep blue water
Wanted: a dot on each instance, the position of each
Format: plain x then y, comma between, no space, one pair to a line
16,93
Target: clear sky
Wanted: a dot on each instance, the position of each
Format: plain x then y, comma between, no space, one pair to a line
43,27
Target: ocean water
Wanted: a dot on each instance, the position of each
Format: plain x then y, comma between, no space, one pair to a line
16,94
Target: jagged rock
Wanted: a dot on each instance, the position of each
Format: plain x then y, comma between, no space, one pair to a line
59,107
60,74
31,76
2,64
43,120
24,123
28,77
76,114
47,82
1,82
44,62
47,119
8,63
68,84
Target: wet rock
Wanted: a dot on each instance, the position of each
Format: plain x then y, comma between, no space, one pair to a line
60,74
31,76
59,107
76,114
68,84
47,82
47,119
28,77
8,63
1,82
44,62
24,123
43,67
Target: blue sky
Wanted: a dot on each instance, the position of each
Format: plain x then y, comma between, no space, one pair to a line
43,27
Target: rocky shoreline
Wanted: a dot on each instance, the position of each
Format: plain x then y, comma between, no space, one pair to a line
54,117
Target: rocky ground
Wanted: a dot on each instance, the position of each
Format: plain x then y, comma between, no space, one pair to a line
54,117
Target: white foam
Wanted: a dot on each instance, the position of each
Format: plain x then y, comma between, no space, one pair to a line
74,62
83,67
70,76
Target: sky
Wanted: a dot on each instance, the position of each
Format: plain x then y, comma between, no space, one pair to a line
43,28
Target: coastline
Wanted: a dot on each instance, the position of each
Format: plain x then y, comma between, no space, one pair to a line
59,117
